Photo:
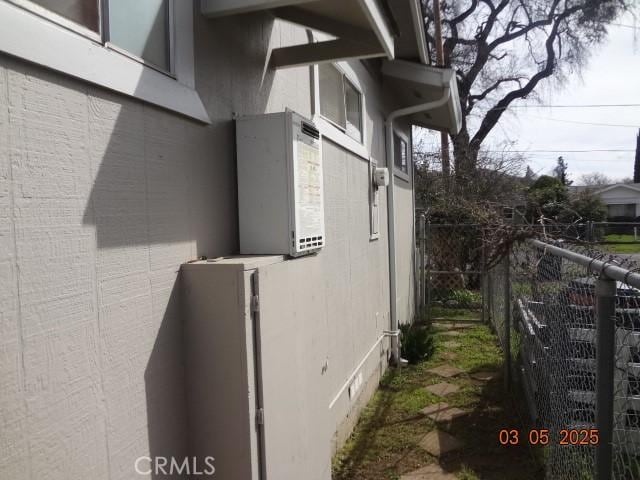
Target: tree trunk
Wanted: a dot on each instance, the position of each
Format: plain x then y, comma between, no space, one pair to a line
465,158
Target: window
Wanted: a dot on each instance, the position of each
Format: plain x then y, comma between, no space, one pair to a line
400,153
141,48
340,101
621,210
140,29
82,12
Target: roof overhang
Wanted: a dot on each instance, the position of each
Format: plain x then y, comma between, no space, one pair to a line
410,41
414,84
358,28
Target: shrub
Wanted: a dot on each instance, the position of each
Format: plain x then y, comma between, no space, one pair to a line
466,298
416,343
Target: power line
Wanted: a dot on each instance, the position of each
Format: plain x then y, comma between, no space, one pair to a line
595,150
586,105
584,123
625,26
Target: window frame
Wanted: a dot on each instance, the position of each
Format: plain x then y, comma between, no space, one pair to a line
397,171
328,127
68,47
56,18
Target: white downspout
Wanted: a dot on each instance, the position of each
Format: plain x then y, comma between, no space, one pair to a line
391,218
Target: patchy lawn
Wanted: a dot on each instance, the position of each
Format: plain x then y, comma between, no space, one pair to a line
384,444
623,244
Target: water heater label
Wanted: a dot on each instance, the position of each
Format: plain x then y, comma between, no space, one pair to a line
308,189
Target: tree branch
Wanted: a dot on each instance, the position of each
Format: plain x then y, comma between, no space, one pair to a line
494,114
481,96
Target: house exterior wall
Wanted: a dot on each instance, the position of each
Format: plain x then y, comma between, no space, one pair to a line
622,196
102,198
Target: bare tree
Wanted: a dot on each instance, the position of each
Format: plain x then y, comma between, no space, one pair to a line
595,179
502,50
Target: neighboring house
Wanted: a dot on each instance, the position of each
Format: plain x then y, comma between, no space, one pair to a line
622,199
117,166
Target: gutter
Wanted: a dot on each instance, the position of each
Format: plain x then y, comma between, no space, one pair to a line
391,219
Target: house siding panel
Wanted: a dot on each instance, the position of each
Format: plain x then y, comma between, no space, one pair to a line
102,197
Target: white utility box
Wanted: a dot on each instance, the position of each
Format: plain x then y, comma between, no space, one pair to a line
280,190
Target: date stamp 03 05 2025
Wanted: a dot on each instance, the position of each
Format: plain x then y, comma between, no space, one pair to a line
568,437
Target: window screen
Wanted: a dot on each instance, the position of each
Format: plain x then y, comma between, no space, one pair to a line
400,154
332,94
82,12
353,103
141,28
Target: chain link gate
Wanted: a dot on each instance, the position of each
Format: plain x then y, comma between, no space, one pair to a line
450,272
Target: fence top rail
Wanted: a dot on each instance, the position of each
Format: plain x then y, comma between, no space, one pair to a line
617,223
607,269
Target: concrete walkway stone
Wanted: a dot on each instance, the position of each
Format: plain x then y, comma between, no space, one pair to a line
442,412
446,371
451,333
439,443
442,389
449,355
430,472
485,376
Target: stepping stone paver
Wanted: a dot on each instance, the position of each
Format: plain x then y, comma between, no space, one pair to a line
451,333
446,371
442,412
439,443
442,389
449,355
451,344
430,472
485,376
456,325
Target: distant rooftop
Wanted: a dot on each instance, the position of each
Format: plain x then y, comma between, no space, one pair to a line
599,188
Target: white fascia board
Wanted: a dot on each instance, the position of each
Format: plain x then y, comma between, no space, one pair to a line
37,40
418,73
377,21
418,23
219,8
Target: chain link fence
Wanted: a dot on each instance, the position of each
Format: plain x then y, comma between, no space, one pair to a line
568,320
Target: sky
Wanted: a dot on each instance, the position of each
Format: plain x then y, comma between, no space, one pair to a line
612,76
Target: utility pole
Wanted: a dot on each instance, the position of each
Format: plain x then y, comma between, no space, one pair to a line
444,137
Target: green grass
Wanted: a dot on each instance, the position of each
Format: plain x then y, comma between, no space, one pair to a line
384,444
623,244
454,313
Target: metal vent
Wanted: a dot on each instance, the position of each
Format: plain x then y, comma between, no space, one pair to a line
310,130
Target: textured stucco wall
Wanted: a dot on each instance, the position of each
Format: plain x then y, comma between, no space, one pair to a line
102,198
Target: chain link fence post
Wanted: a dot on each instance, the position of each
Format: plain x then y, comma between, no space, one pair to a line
605,361
507,321
422,256
483,282
427,268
